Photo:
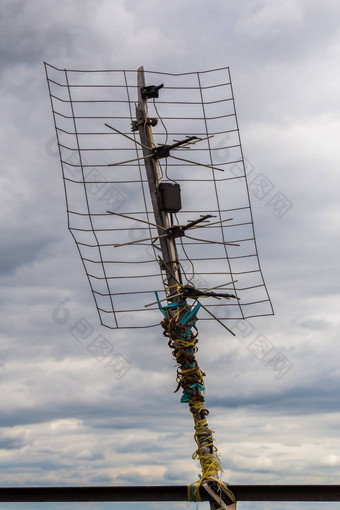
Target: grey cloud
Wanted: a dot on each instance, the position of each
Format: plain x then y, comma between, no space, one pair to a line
21,249
10,442
314,324
49,378
300,401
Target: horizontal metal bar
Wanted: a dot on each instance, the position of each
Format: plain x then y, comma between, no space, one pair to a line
168,493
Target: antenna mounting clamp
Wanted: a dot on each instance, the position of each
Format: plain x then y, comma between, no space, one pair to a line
150,91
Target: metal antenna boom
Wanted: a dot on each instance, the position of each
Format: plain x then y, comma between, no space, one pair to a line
168,246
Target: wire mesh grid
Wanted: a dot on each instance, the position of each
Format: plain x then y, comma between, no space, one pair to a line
103,170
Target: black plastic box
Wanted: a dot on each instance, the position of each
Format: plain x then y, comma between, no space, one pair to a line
170,197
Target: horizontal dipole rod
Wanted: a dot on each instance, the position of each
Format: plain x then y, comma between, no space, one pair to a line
168,493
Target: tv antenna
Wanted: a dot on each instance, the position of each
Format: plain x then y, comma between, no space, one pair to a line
136,198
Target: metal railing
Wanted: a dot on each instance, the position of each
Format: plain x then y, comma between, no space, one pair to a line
330,493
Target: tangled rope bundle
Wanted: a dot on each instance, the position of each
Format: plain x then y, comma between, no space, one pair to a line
183,340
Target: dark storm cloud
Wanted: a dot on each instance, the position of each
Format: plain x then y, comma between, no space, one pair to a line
32,30
318,399
10,443
21,249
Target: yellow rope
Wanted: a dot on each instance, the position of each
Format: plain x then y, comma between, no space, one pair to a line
172,287
188,374
185,307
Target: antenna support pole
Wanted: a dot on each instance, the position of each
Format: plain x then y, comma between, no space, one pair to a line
168,246
179,331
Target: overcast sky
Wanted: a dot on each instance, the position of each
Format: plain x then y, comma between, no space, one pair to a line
68,418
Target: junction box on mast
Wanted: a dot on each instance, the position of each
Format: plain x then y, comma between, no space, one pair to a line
169,199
